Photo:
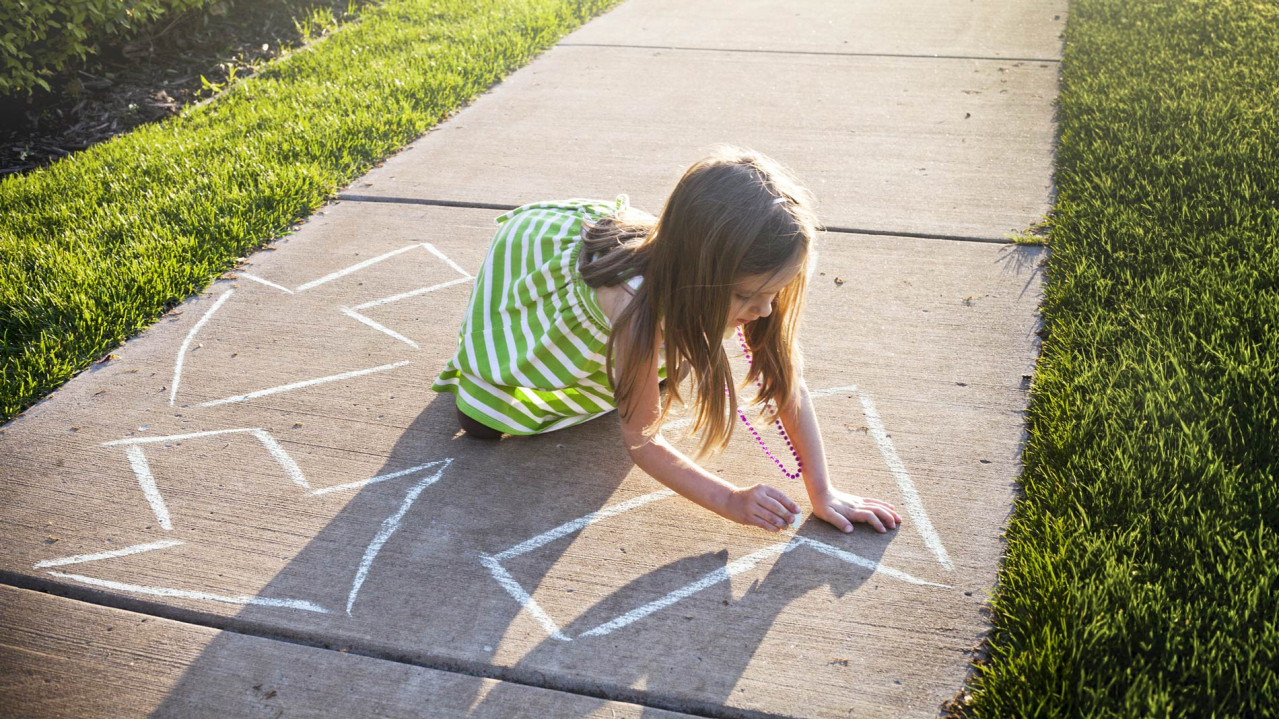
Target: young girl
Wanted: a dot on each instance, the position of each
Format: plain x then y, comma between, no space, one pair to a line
584,307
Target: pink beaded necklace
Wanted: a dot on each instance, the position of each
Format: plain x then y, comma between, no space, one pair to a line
799,465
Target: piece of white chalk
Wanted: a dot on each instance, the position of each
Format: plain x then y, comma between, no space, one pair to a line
795,523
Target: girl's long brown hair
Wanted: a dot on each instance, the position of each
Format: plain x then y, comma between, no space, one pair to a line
722,221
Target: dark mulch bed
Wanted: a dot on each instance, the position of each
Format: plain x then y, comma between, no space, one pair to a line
156,73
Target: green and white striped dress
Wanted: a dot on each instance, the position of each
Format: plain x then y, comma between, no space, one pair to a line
530,354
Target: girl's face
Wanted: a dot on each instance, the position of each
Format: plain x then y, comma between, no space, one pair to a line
753,296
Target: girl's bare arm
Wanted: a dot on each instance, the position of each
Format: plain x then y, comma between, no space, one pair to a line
759,505
839,508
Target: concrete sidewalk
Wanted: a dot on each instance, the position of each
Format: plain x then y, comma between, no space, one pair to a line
269,459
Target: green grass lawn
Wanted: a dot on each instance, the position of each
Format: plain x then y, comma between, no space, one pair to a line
95,247
1142,574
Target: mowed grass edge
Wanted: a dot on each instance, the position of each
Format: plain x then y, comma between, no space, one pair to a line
97,246
1142,570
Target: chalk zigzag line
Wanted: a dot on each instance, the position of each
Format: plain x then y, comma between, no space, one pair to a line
377,479
268,283
354,312
526,602
379,327
138,460
354,268
142,469
303,383
413,293
710,579
122,552
374,260
743,564
914,504
182,350
287,463
493,563
302,604
390,525
153,439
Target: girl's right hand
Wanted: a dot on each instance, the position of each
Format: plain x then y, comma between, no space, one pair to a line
761,506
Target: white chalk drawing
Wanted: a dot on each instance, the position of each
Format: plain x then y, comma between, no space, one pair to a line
493,563
423,476
304,383
137,461
356,267
268,283
122,552
389,526
182,351
142,470
744,564
286,462
379,327
354,312
301,604
291,469
914,505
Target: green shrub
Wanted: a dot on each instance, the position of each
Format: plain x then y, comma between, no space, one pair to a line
40,38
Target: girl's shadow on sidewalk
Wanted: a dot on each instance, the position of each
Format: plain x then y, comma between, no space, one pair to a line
689,656
427,600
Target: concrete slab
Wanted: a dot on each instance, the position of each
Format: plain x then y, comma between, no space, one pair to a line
345,512
987,28
950,147
63,658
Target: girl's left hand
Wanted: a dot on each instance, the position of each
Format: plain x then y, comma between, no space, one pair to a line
842,509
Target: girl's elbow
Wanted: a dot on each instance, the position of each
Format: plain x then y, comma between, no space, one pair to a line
640,445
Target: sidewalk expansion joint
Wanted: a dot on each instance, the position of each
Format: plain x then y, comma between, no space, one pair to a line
350,197
529,677
919,235
836,53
